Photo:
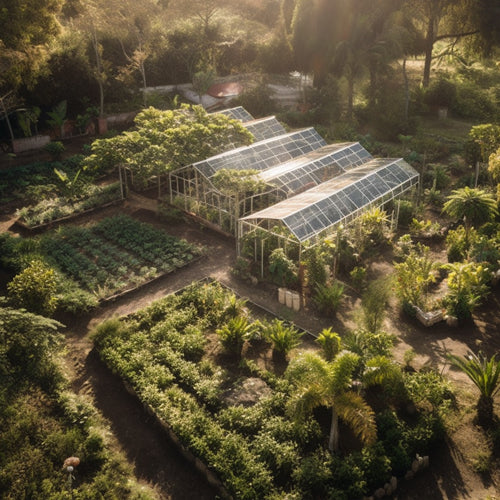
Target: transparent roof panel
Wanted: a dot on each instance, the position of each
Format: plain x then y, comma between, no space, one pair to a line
329,203
265,128
315,167
238,113
264,154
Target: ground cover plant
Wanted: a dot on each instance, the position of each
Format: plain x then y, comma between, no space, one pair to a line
267,446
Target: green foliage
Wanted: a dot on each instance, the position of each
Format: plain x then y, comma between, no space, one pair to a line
34,289
406,212
458,243
474,206
236,182
58,117
485,375
165,140
283,269
55,149
369,344
328,298
414,276
316,267
484,140
467,287
234,333
79,198
358,277
373,304
282,337
330,343
442,93
257,101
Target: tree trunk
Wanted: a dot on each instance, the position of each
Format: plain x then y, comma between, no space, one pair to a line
407,91
429,45
333,441
350,95
485,411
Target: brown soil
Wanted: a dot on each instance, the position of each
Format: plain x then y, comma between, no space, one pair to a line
451,474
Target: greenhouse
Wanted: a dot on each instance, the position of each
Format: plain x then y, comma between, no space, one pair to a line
314,213
195,187
293,188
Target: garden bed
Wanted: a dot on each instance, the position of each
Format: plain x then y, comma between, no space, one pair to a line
116,255
169,357
53,211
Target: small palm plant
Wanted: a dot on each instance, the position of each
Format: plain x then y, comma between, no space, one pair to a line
485,374
283,337
330,343
328,298
234,333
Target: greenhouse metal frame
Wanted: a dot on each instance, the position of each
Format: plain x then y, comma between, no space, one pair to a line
311,215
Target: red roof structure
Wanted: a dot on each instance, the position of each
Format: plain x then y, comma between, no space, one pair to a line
225,89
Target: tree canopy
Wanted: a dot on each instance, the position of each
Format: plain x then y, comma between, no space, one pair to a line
165,140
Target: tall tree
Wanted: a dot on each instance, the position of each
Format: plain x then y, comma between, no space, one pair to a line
441,20
317,27
322,383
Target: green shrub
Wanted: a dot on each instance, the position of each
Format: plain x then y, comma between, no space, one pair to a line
34,289
282,269
330,343
234,333
55,149
328,298
282,337
316,267
441,93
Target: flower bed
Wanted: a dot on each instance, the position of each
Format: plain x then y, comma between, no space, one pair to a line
256,448
117,254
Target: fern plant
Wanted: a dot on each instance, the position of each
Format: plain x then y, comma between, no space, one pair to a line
328,298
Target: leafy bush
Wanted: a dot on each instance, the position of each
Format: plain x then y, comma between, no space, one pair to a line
34,289
283,269
406,212
330,343
328,298
282,337
234,333
55,149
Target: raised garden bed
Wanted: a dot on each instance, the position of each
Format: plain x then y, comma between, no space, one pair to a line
116,255
56,210
168,356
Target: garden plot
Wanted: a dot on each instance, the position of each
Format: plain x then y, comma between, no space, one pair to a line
236,416
116,254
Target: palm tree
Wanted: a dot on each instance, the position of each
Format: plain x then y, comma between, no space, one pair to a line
485,374
322,383
474,206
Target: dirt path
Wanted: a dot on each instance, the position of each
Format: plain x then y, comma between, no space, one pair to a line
156,462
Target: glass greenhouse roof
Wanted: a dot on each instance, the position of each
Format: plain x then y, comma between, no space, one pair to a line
238,113
339,199
264,154
265,128
316,167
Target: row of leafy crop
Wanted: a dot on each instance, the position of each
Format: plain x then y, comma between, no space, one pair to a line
42,424
58,207
70,268
264,450
115,253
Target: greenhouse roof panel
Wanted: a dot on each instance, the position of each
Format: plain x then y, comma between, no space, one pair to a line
238,113
265,128
315,167
329,203
264,154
